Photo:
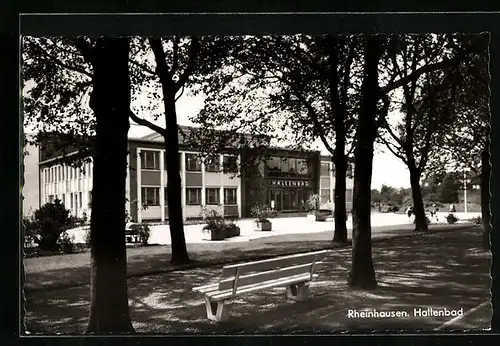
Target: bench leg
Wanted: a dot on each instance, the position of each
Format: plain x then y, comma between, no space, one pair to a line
217,311
297,292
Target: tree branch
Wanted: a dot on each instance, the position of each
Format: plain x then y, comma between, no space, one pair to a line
175,60
193,52
393,150
62,64
84,48
143,67
147,123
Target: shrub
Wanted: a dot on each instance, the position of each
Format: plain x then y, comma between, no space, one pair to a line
213,219
313,202
47,224
66,242
451,219
232,230
262,212
143,230
86,237
477,220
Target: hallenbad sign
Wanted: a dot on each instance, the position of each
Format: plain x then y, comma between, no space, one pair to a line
290,183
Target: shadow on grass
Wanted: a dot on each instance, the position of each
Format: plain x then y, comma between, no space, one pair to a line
442,270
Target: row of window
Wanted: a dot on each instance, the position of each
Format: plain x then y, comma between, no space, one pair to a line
325,169
151,160
151,196
59,173
287,167
75,199
326,197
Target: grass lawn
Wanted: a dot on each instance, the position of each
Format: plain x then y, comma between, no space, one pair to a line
445,269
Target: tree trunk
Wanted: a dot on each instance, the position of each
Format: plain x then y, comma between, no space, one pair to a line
110,101
362,272
174,189
339,158
485,194
418,203
340,164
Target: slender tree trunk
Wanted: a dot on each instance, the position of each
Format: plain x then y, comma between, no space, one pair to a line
110,101
340,164
362,272
418,203
174,189
485,194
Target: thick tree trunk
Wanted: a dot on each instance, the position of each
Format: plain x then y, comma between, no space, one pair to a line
485,194
174,189
339,158
110,101
418,203
362,273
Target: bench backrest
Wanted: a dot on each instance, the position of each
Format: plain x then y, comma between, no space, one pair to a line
239,275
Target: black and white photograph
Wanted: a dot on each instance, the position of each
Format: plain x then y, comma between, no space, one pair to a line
256,184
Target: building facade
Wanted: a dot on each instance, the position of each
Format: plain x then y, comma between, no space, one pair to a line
230,184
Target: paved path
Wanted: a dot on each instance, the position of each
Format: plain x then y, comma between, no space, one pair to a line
289,225
437,270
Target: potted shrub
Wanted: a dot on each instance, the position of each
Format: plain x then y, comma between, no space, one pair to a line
142,231
66,242
262,213
231,229
315,214
215,226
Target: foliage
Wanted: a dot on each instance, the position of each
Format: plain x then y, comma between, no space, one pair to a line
66,242
313,202
86,237
143,230
451,218
262,212
213,219
47,224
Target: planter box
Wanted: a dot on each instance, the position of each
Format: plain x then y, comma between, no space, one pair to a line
317,217
232,232
215,234
263,226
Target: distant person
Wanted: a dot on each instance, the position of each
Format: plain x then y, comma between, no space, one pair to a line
452,208
409,211
434,211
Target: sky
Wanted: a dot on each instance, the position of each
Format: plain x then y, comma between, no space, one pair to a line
387,169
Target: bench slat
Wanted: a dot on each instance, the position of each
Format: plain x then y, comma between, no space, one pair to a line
266,285
206,288
255,278
273,263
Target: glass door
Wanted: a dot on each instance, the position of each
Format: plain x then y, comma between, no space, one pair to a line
286,200
275,199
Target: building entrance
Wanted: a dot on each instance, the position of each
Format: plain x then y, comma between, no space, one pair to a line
288,200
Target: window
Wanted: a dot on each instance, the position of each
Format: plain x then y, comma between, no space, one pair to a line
71,200
151,196
302,167
90,199
213,164
212,196
325,169
230,164
63,199
192,163
59,171
230,196
51,199
165,197
150,159
274,166
80,200
292,167
325,195
193,196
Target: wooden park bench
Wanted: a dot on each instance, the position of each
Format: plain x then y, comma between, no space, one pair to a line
294,272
